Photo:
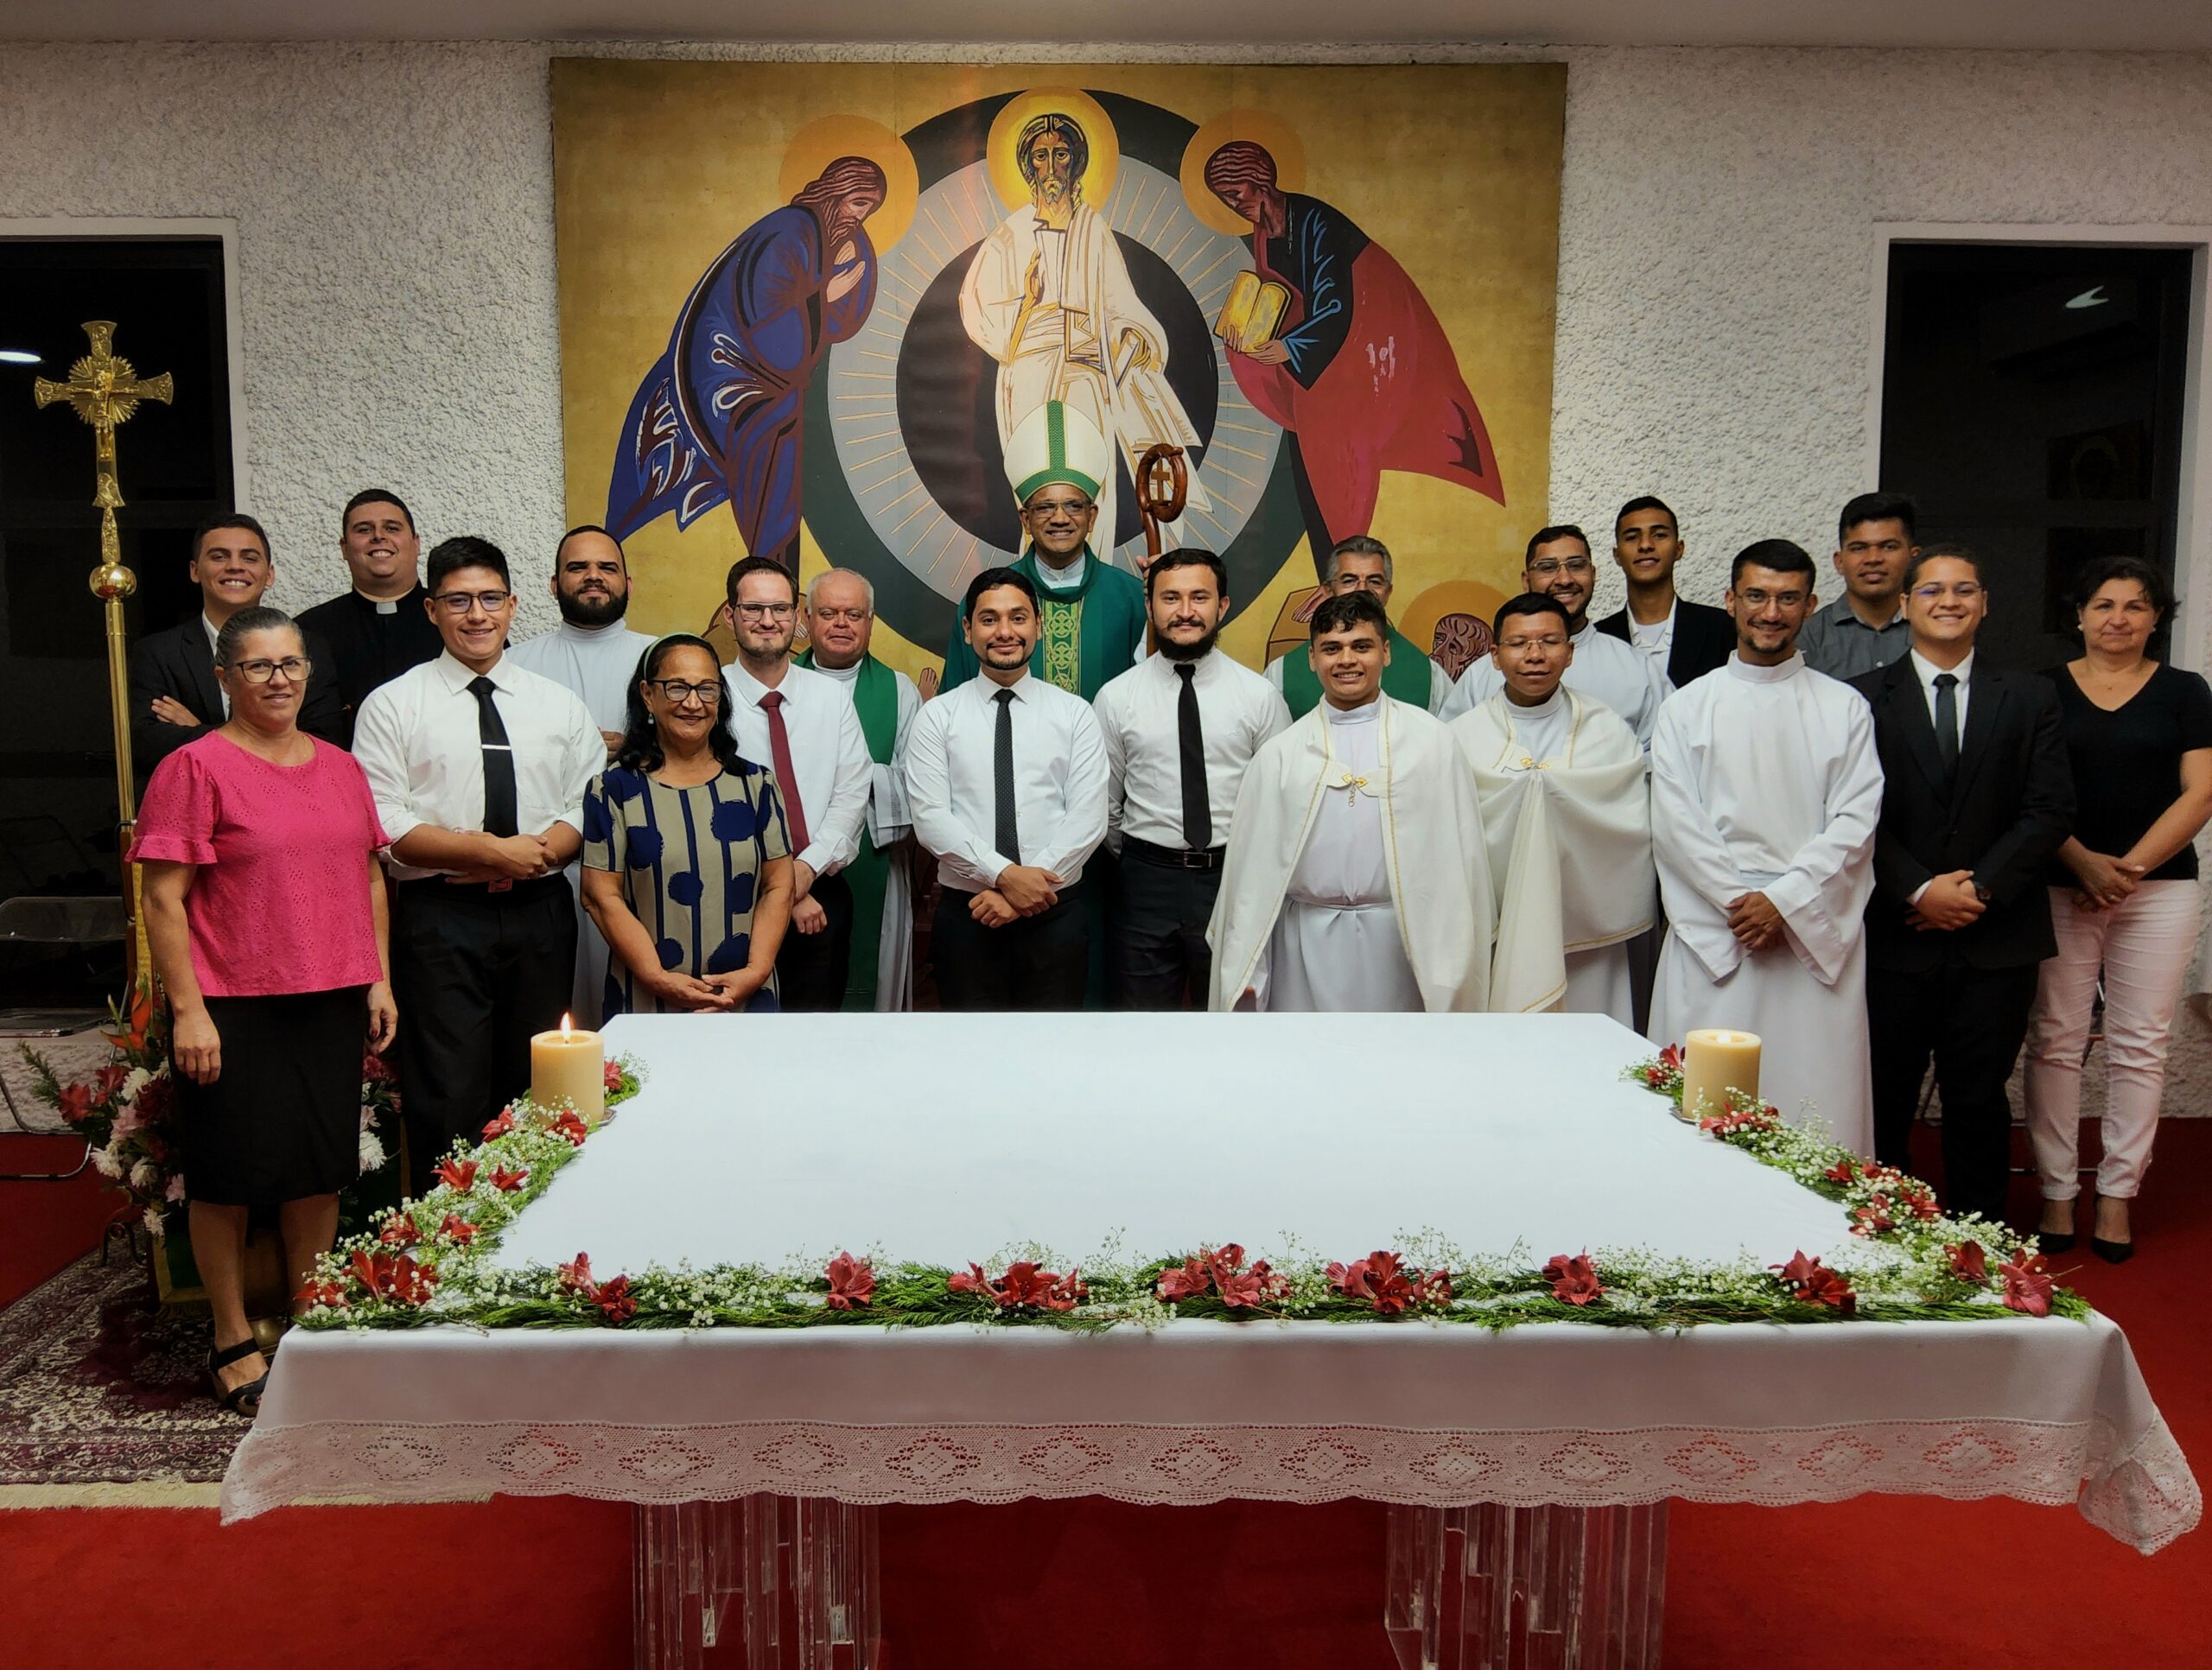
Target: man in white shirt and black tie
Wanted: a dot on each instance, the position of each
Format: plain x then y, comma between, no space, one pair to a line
479,767
1006,776
1179,727
803,726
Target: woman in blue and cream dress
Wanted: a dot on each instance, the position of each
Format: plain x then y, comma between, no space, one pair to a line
686,866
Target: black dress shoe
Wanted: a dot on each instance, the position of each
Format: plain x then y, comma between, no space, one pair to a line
2112,1252
2055,1240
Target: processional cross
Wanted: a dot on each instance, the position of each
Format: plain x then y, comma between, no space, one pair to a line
104,390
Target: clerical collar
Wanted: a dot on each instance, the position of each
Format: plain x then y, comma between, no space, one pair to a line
1756,675
1551,704
383,605
1365,714
1065,580
843,674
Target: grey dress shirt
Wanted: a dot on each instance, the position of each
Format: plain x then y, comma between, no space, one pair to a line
1837,642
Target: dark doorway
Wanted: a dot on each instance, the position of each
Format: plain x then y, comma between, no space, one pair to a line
57,761
2031,403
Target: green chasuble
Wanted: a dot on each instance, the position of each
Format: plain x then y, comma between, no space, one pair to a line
1406,679
875,699
1086,634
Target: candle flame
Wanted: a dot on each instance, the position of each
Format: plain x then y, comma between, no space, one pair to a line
567,1029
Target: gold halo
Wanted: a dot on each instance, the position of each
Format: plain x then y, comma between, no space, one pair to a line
1263,128
1089,115
1418,619
819,143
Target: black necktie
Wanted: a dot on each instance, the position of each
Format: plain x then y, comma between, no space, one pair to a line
499,761
1009,837
1946,722
1198,810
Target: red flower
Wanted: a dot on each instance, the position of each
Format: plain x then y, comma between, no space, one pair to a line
567,1125
2028,1283
77,1103
612,1298
395,1276
400,1232
1843,1172
1024,1284
328,1294
1969,1262
577,1275
458,1230
1874,1218
1380,1279
459,1175
501,1125
852,1282
1670,1057
107,1081
1735,1118
507,1181
613,1077
375,1069
1188,1282
1574,1279
1812,1282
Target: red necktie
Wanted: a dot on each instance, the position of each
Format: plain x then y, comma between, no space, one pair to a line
779,756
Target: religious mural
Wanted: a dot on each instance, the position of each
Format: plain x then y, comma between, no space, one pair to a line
803,305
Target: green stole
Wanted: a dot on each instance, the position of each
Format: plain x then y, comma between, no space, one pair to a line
875,699
1406,679
1086,634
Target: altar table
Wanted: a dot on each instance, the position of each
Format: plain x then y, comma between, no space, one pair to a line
946,1139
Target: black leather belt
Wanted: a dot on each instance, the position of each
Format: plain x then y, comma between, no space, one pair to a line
1173,858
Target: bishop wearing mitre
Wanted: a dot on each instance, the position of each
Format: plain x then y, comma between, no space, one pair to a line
1568,819
1356,878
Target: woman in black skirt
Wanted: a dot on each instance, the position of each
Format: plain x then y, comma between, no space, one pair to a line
265,914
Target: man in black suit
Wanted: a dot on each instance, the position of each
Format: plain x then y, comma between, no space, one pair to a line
173,695
1692,639
1977,798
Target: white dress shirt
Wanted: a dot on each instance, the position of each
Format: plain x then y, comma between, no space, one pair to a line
829,751
417,739
1059,780
1926,671
1140,713
221,694
1656,639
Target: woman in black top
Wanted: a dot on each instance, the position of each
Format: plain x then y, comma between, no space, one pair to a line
2125,901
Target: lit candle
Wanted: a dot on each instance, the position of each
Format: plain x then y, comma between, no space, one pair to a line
571,1066
1714,1060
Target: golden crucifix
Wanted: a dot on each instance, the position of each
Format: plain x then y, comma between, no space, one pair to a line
104,390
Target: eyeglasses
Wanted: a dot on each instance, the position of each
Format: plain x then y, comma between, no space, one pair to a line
1058,507
1550,641
1966,591
676,691
1550,566
296,668
1759,599
766,611
459,603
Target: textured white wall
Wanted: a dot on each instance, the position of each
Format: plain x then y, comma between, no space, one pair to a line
1716,280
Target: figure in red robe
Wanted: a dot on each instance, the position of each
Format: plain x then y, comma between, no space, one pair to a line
1359,372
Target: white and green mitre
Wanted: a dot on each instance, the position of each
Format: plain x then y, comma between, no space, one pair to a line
1056,443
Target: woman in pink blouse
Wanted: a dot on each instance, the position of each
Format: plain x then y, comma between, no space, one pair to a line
266,913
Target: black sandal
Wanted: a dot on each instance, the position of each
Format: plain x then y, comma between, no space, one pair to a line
239,1400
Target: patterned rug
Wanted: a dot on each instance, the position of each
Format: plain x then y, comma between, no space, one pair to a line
99,1388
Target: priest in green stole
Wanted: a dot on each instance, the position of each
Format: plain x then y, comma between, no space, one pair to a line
1091,614
839,619
1361,564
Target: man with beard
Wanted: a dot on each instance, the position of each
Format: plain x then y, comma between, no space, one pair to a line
1362,564
1687,640
721,418
1090,624
1006,775
1765,792
1180,728
1865,628
1048,297
1568,820
381,627
840,620
1356,878
1605,669
595,657
801,725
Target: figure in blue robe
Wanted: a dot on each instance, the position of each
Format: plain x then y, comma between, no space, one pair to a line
721,417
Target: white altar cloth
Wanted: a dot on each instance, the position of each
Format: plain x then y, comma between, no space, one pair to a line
947,1138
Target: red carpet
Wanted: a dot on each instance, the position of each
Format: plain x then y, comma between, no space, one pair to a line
1087,1586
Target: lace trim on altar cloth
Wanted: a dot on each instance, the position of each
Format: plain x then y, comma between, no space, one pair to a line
2145,1494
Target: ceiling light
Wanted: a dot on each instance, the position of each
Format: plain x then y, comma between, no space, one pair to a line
19,357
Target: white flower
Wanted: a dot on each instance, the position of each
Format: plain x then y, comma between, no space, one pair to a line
371,1152
144,1175
107,1163
133,1082
175,1191
153,1219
